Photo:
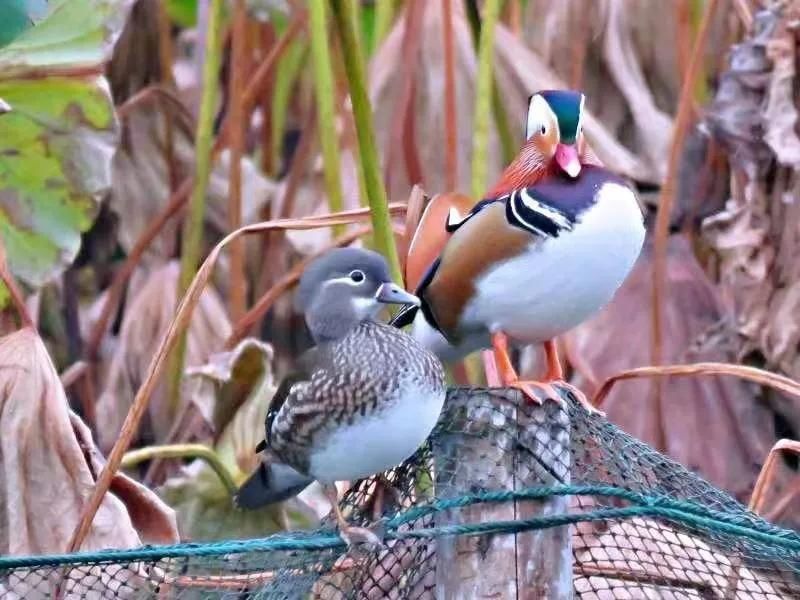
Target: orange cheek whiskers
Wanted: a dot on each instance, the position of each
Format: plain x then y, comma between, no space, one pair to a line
526,170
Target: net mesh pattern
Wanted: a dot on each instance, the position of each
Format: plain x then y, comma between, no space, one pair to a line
507,497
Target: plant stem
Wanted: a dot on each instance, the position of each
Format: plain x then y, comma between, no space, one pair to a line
286,76
384,11
355,16
325,94
508,145
450,110
204,453
368,152
701,90
483,98
665,200
238,281
485,92
193,228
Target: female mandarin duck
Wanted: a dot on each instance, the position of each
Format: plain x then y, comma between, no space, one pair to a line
360,402
547,248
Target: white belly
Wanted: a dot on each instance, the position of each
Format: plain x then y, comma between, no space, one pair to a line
374,444
551,288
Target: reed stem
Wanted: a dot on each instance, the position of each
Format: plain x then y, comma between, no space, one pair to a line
483,98
193,227
368,152
325,94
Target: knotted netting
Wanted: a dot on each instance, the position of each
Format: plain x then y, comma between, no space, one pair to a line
506,499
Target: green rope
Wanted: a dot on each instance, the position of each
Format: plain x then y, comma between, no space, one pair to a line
744,525
742,518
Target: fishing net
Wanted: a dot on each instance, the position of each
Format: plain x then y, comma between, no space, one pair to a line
507,499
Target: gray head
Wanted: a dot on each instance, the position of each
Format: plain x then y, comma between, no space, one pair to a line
344,287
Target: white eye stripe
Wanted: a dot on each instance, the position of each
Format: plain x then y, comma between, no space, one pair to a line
346,280
539,115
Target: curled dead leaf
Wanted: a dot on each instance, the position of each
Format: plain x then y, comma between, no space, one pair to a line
49,464
780,114
735,114
227,378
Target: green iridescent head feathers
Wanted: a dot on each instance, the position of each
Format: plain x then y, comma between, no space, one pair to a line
566,105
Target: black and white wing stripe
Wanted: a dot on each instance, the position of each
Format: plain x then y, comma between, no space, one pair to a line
525,210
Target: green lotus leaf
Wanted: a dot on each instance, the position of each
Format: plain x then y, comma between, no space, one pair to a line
58,130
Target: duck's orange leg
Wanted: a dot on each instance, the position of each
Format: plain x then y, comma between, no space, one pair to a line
554,373
510,378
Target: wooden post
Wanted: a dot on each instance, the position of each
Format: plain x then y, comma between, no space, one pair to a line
494,439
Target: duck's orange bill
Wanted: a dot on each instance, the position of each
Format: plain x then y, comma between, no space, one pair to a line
431,234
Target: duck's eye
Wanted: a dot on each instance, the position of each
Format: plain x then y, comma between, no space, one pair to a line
543,129
357,276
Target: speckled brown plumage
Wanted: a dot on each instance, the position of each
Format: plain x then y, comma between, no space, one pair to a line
343,381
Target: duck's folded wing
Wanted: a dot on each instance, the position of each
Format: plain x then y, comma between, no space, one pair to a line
443,214
293,389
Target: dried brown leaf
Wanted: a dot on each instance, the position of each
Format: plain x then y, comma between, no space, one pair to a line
715,425
735,115
780,114
147,317
154,524
224,382
756,238
49,465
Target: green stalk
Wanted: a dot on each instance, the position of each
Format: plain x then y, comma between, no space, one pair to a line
508,145
204,453
193,227
356,18
483,98
325,94
368,152
702,93
286,76
384,11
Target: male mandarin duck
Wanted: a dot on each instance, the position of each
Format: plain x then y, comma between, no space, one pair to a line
361,401
545,249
